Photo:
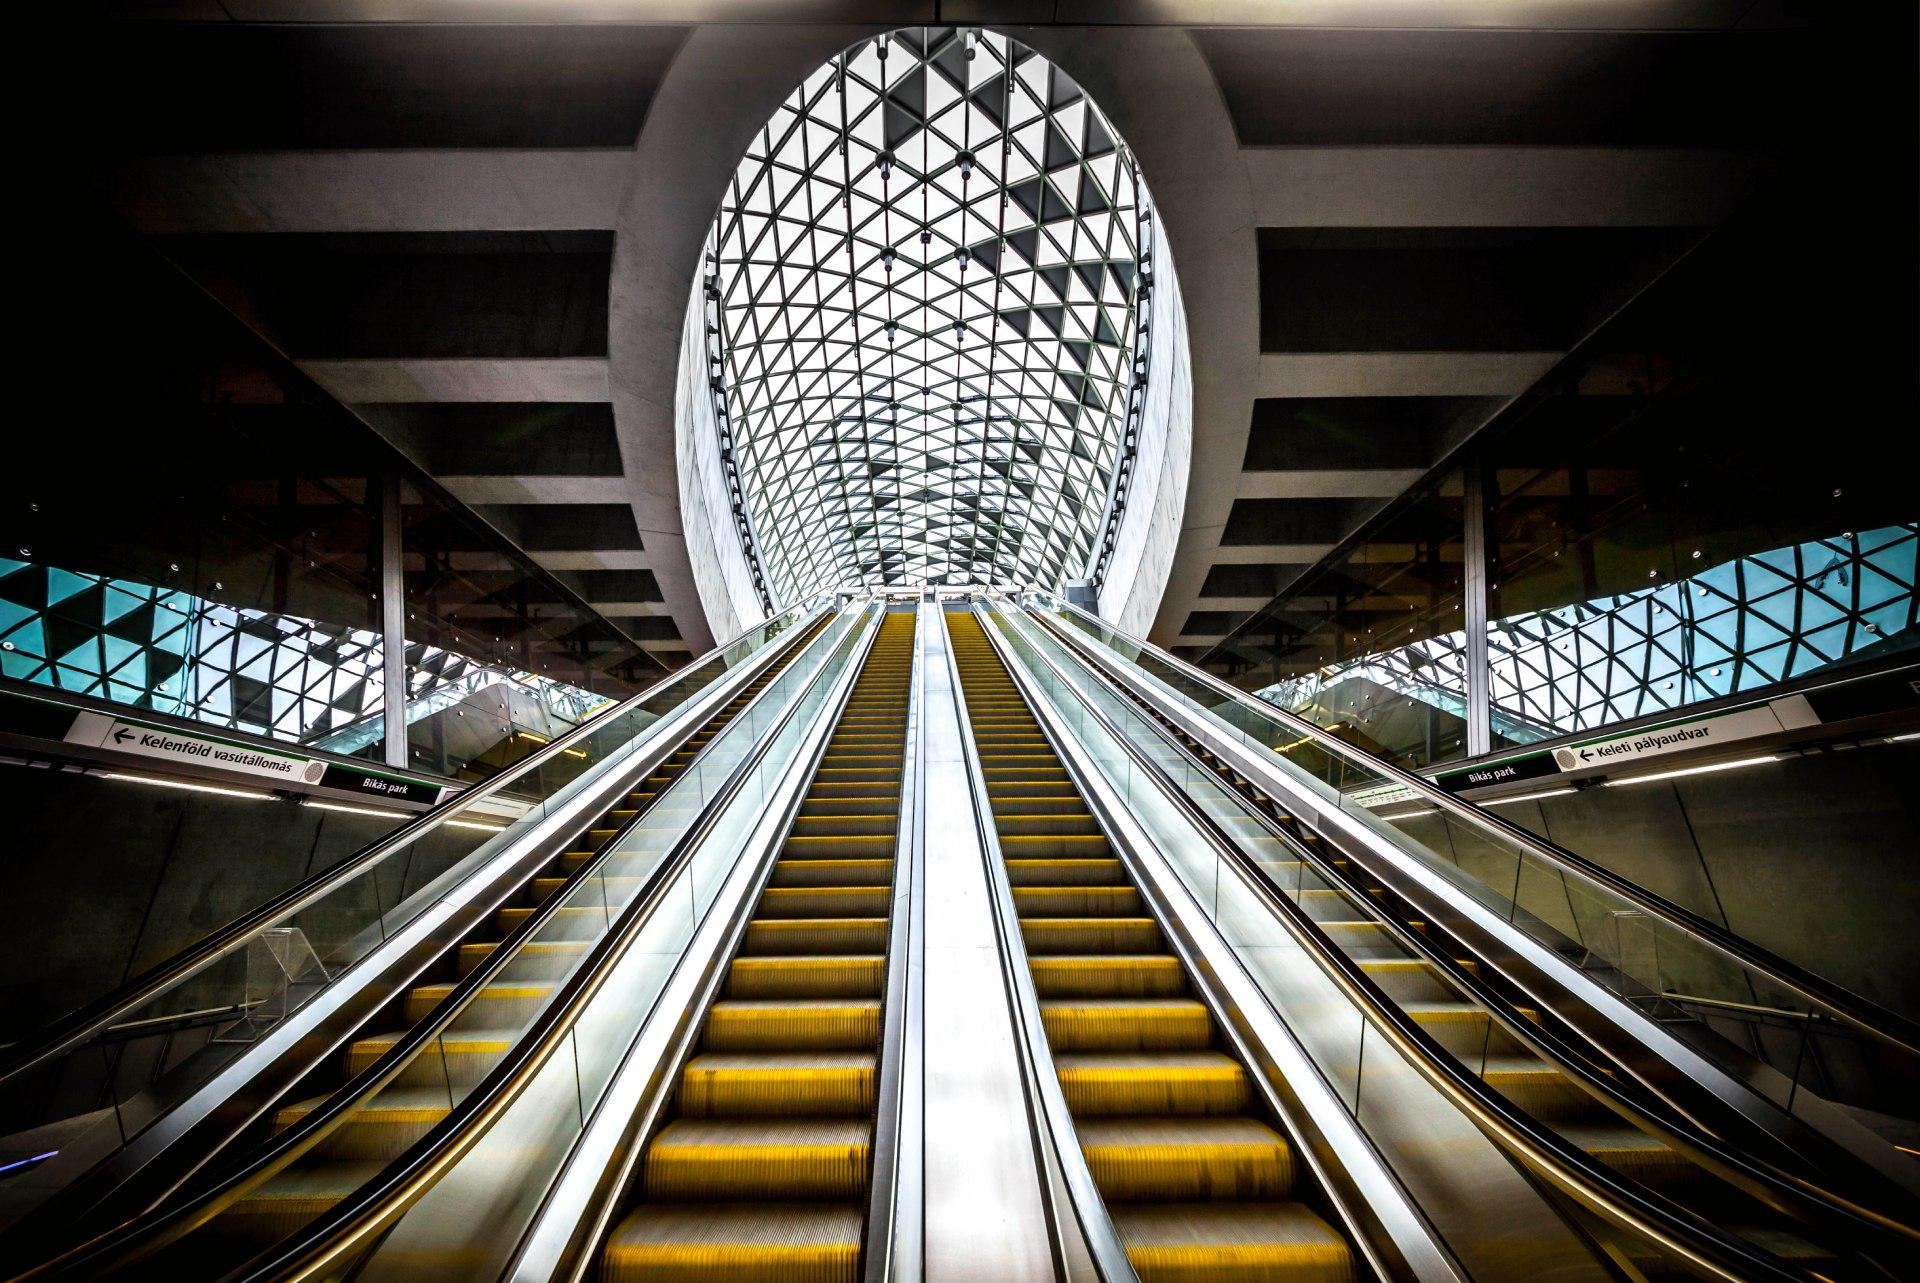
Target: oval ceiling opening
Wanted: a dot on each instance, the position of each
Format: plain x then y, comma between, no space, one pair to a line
925,302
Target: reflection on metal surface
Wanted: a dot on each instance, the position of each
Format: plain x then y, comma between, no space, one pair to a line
985,1218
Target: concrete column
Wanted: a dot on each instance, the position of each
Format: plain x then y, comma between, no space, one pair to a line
1474,587
393,620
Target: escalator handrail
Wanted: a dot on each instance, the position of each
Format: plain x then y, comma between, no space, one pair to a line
383,1199
1852,1009
1047,1104
70,1031
146,1232
1521,1136
896,1192
1682,1133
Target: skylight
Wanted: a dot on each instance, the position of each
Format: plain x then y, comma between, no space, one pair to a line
922,298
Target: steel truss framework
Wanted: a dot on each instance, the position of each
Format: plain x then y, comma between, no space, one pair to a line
170,651
1746,624
925,298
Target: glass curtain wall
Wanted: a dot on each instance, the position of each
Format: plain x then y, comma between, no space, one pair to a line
208,544
1713,496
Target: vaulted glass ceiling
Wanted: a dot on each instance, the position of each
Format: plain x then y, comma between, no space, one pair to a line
921,294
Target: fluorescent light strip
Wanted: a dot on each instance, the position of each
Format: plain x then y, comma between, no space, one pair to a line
1526,797
470,824
1696,770
1901,739
1407,815
157,782
356,810
17,1164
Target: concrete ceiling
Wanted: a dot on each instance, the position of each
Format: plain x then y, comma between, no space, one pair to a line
481,233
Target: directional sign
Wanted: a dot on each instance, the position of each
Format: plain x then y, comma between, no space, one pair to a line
376,784
1507,772
174,745
166,744
1705,732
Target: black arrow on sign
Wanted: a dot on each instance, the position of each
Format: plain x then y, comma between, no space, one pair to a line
1585,756
122,736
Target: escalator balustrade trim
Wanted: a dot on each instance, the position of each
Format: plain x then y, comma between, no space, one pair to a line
762,1169
1198,1186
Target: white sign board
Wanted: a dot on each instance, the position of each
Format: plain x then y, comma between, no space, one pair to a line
101,731
1707,732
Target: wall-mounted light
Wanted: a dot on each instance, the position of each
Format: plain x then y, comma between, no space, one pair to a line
355,810
250,794
1696,770
1527,797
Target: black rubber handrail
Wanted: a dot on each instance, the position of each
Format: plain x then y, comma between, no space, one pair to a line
1850,1008
71,1030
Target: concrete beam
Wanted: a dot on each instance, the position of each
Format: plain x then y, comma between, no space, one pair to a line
1328,483
1267,554
536,489
372,191
1498,186
1507,374
359,382
595,559
1573,15
1233,603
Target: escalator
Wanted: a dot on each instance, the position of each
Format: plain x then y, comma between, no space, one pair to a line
424,1093
763,1165
1368,923
1497,1032
1198,1185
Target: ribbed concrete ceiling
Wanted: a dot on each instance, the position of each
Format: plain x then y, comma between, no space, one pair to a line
1383,235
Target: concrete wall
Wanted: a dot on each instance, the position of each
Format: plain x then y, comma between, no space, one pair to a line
104,878
720,572
1150,529
1811,858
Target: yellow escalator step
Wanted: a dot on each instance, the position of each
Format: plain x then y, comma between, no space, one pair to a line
849,872
1077,901
778,1158
823,902
725,1243
1229,1243
808,976
1203,1082
1186,1159
1091,935
814,935
819,1083
1107,974
790,1024
1126,1024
